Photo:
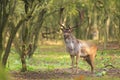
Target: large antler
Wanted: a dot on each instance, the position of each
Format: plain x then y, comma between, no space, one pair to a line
81,16
61,21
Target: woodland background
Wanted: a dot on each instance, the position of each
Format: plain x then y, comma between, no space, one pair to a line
27,25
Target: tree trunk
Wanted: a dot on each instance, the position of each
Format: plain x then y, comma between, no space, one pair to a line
119,32
24,67
1,47
39,25
107,27
105,38
23,60
12,36
106,32
3,21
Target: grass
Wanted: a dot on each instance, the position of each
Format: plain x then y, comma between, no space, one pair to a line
55,57
44,58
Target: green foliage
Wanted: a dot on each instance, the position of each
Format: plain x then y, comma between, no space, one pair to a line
3,74
108,57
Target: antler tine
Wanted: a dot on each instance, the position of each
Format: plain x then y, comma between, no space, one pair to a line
60,22
62,25
69,26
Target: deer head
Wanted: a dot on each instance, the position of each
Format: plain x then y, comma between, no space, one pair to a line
66,31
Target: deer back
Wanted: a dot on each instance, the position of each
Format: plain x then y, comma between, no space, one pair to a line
88,47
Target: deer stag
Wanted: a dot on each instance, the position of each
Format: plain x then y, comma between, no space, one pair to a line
78,48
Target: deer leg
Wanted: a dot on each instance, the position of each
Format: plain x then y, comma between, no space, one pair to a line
72,64
92,63
72,59
77,59
89,60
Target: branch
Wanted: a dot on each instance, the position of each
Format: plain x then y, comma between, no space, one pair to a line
109,65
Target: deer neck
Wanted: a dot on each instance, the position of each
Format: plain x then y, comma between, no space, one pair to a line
71,41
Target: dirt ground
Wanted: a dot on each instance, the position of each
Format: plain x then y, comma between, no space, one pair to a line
60,74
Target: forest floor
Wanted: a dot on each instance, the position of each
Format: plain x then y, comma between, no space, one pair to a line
109,72
64,74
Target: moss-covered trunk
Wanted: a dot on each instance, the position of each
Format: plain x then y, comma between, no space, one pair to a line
23,60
